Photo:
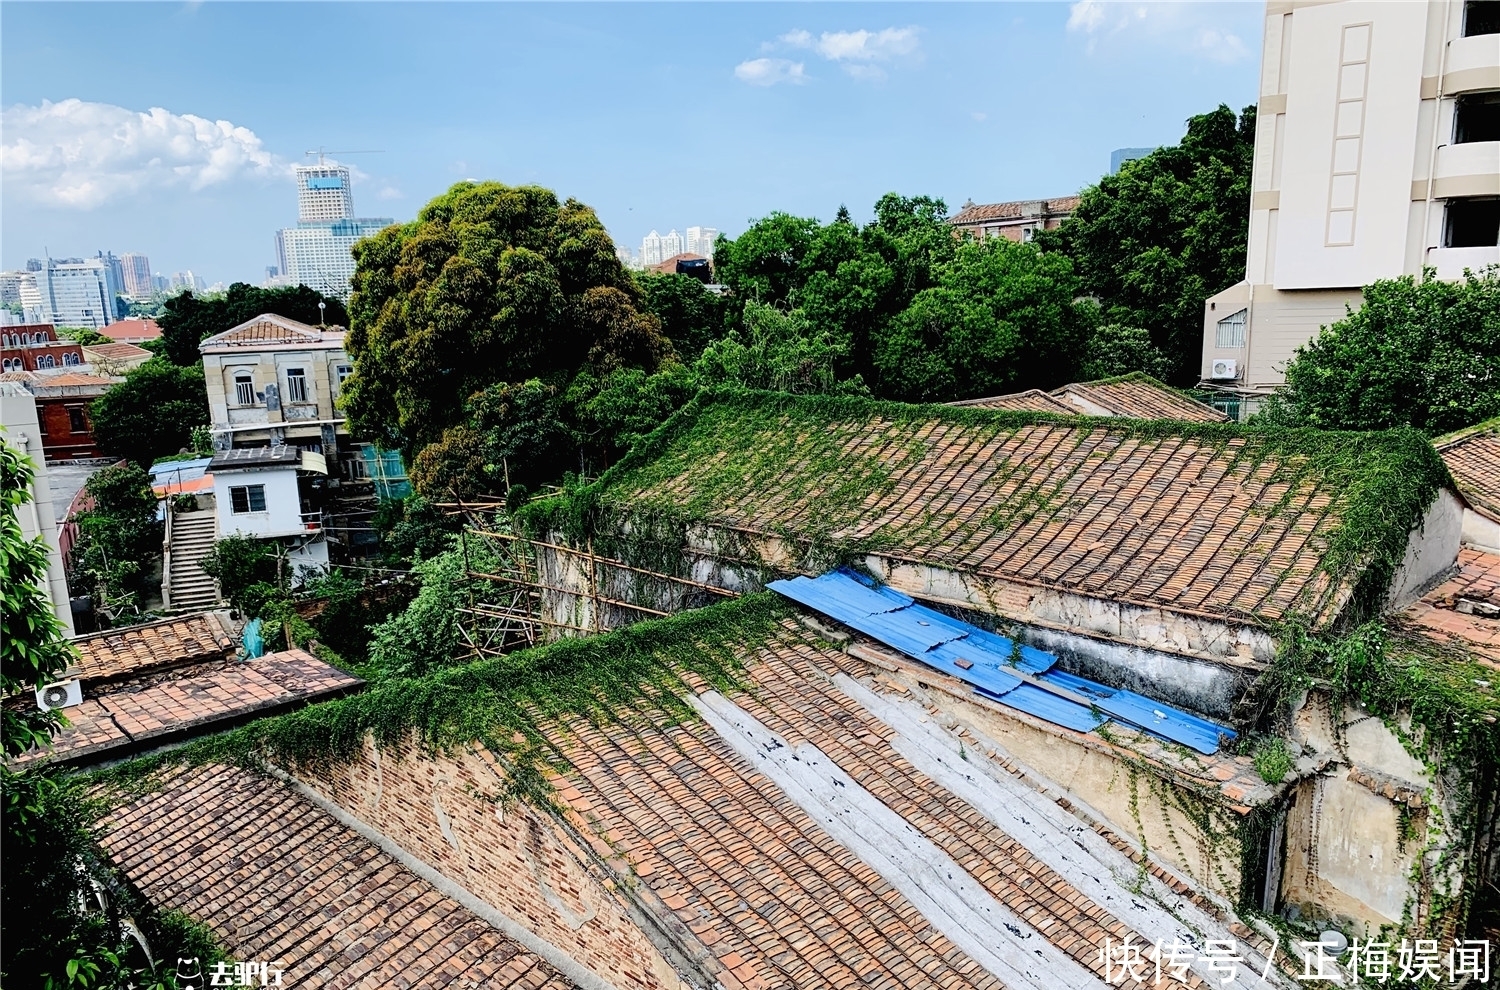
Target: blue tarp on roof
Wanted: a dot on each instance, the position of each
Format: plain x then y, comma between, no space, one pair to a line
991,663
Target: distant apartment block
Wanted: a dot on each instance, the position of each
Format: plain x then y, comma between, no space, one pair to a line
1016,221
1120,156
318,251
700,241
1377,153
136,271
70,293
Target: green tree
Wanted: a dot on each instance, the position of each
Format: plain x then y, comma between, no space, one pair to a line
779,351
239,564
426,634
1154,241
1421,353
153,412
83,335
1002,317
118,539
690,315
1114,350
187,319
491,287
513,434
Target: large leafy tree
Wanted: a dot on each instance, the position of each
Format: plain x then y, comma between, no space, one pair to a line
1153,242
1002,316
119,537
152,412
186,319
455,315
1422,353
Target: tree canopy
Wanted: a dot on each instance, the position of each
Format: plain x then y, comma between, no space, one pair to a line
187,319
471,323
1422,353
1154,241
152,412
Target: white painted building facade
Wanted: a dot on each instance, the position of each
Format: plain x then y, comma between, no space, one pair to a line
1376,155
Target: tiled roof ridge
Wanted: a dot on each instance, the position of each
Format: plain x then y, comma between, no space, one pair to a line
1463,434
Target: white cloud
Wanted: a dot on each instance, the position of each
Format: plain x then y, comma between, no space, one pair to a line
81,155
1176,26
859,53
770,71
390,192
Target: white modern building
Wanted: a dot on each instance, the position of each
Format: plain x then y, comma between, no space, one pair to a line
318,252
1377,154
266,493
68,294
700,240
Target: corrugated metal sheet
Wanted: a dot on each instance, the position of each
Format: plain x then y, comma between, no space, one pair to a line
990,662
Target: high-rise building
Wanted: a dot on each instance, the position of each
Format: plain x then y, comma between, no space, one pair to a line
318,252
671,244
324,192
136,269
10,288
651,249
700,240
70,294
1120,156
187,280
1377,154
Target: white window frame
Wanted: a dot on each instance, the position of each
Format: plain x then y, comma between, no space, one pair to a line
244,388
296,385
1229,333
248,493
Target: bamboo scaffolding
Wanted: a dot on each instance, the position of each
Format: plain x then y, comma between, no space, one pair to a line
611,562
569,591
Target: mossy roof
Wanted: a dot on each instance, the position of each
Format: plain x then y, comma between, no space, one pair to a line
1251,524
1473,455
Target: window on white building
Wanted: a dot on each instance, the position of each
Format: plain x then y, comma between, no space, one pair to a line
244,390
1231,330
296,385
247,498
344,371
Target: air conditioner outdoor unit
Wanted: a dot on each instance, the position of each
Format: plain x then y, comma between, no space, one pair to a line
59,694
1224,370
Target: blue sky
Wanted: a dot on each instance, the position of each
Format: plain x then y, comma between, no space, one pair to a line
187,118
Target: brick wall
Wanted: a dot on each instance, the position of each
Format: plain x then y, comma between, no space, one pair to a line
443,811
59,442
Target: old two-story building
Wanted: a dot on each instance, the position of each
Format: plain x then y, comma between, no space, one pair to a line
37,347
1015,221
273,381
63,398
273,493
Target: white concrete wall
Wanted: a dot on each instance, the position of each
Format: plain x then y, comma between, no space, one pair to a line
23,431
1431,551
1481,532
283,515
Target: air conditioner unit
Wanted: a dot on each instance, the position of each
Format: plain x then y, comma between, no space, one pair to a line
60,694
1224,370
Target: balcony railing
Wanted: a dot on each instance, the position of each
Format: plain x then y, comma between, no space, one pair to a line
312,521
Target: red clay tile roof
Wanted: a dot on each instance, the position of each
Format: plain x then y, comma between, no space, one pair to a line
74,378
117,653
165,705
132,330
1473,457
1061,206
762,884
117,352
271,329
1203,519
280,881
1140,396
1032,400
1453,612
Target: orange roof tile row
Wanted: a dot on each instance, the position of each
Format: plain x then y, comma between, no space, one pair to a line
1227,525
279,881
1473,458
1015,210
1032,400
122,717
1140,396
1477,581
166,642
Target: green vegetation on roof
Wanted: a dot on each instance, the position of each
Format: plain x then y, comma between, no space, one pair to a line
509,703
1488,426
830,462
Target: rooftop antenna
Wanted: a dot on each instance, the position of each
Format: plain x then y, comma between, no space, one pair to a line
322,153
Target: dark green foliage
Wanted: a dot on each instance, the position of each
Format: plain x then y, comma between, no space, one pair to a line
1113,350
153,412
690,315
187,320
412,529
629,404
491,288
350,608
240,564
1002,317
32,648
425,635
83,335
1156,240
118,539
1422,353
779,351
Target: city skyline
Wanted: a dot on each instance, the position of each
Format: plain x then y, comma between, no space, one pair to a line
801,110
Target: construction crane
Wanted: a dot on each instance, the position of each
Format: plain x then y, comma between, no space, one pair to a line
321,153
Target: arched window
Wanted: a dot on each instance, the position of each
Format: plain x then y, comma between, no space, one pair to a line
244,389
38,338
70,358
45,361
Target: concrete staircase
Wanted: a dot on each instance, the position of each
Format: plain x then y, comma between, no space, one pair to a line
192,537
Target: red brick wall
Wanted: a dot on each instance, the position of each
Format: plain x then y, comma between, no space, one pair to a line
443,811
59,442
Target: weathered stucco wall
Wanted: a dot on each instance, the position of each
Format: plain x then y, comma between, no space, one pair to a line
441,810
1481,532
1431,550
1357,829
